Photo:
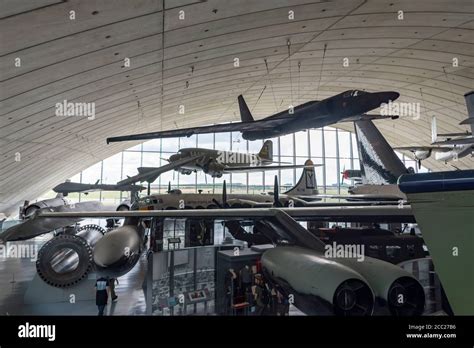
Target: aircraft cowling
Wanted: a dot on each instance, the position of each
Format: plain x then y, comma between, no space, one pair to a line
213,168
392,285
318,285
29,210
118,251
422,154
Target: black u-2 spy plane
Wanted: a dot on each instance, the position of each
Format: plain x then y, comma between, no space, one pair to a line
347,106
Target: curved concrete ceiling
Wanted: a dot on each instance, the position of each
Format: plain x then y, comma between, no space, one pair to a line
282,61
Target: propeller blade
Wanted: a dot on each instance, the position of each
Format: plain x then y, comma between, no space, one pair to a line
224,195
276,193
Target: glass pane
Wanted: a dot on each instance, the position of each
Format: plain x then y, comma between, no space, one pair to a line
270,180
286,179
331,173
152,145
112,169
255,146
186,142
131,161
301,142
239,183
316,140
185,181
330,143
218,183
319,174
170,146
286,145
206,141
223,141
344,144
238,143
255,183
355,151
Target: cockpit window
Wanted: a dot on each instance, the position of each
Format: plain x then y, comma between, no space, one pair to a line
353,93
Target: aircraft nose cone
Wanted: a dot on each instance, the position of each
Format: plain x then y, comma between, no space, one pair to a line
385,97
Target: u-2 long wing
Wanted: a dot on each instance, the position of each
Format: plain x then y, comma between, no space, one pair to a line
260,168
263,124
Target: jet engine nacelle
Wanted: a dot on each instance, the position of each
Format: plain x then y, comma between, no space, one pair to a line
392,285
422,154
318,285
125,205
28,210
343,286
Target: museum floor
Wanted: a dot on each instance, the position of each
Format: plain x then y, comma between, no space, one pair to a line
16,275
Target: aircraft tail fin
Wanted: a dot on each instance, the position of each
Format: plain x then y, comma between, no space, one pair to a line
306,185
469,97
245,114
379,163
266,152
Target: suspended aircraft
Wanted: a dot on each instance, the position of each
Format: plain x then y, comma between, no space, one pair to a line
347,106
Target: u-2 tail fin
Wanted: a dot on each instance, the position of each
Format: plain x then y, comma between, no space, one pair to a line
306,185
245,114
379,164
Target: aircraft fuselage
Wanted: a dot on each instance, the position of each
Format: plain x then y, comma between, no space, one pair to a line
317,114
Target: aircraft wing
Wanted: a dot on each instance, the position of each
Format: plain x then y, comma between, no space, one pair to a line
469,120
260,168
150,174
369,117
459,134
263,124
46,221
38,225
423,148
461,141
339,213
368,197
